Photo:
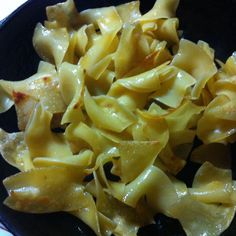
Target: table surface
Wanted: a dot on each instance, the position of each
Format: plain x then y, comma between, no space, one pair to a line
6,7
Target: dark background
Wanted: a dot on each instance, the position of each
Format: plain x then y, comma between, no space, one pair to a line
213,21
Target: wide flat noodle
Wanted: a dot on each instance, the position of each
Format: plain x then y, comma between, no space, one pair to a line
129,12
44,190
87,212
171,161
51,44
132,38
213,128
42,86
180,119
82,40
62,15
81,161
71,82
24,105
86,37
104,46
230,65
146,82
72,88
127,219
206,47
158,197
161,9
225,87
199,218
150,128
127,90
130,99
82,136
209,219
158,55
201,66
5,101
149,182
167,31
107,113
38,134
106,19
14,150
173,88
213,185
136,153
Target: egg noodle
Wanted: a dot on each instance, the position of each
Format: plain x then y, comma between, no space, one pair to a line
119,88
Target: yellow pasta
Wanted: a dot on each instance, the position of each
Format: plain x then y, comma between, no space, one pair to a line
62,15
35,190
129,12
125,92
14,150
132,38
173,88
51,44
38,134
201,67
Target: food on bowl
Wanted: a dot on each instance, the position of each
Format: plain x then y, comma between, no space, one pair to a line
120,87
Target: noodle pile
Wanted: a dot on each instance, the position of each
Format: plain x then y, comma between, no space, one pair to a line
120,88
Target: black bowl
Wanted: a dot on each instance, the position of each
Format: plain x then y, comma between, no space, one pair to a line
213,21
